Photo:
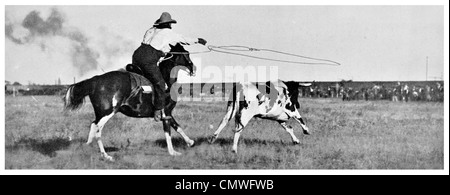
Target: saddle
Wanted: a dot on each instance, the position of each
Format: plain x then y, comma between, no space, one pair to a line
138,79
134,69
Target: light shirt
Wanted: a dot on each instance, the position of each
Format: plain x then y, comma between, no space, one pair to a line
160,39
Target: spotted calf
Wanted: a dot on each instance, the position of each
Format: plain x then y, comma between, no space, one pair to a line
273,100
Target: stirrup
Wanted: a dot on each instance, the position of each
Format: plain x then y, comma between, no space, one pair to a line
159,115
166,118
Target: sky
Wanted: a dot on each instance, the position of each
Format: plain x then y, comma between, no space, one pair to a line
371,42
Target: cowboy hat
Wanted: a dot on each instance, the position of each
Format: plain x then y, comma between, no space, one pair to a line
165,18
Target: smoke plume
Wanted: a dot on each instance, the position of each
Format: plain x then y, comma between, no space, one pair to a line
39,31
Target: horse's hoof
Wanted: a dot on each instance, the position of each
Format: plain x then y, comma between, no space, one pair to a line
108,158
234,149
190,143
88,143
174,153
306,132
212,138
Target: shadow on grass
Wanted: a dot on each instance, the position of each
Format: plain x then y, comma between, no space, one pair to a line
49,147
45,147
111,149
176,142
179,142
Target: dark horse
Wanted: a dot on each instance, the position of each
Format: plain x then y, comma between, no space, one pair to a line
121,91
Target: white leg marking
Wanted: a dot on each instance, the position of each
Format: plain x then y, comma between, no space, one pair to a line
103,152
237,134
114,101
291,132
170,146
188,141
92,133
98,136
103,121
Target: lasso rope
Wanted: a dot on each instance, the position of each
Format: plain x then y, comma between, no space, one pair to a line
229,50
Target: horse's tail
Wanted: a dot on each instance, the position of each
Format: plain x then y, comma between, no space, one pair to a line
75,94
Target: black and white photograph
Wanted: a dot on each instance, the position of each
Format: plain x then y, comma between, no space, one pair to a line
285,88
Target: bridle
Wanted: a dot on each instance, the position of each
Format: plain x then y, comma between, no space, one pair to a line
171,59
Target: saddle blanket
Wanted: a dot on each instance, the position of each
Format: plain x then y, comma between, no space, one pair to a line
147,89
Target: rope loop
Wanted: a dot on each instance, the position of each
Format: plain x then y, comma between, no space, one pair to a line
232,49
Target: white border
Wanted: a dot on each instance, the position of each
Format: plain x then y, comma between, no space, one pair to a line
228,2
231,172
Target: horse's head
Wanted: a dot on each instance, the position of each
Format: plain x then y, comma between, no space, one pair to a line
178,56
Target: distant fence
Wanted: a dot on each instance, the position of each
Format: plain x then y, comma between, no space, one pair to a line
351,90
35,90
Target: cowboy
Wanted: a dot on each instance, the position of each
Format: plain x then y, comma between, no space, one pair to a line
154,46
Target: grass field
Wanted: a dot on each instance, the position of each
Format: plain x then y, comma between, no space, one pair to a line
345,135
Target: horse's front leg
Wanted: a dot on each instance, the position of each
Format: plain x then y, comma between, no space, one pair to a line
177,128
166,126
